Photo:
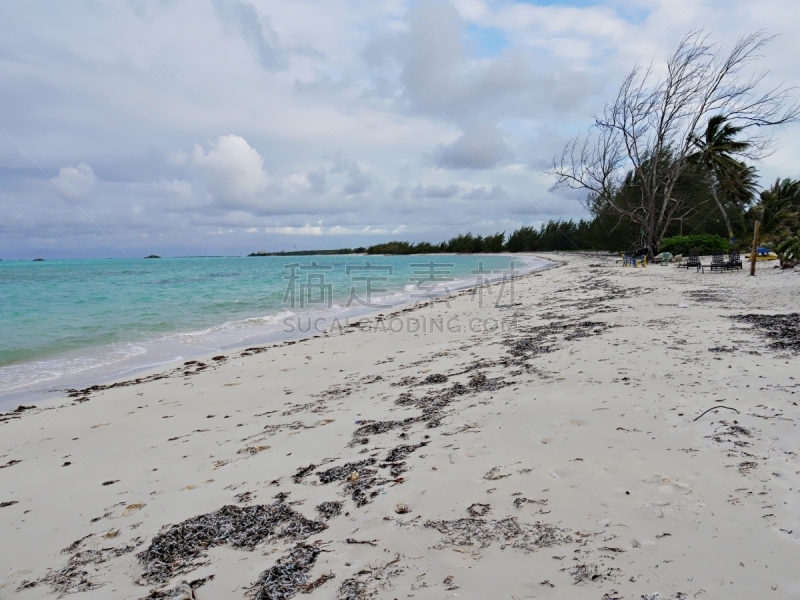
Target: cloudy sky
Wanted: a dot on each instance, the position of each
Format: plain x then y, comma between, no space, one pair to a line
176,127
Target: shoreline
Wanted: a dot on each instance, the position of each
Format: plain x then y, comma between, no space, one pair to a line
144,361
574,454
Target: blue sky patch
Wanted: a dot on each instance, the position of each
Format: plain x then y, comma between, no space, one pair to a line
489,41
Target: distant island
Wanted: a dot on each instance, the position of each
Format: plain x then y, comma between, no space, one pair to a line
153,256
38,260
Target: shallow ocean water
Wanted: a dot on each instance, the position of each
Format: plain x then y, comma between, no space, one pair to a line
72,322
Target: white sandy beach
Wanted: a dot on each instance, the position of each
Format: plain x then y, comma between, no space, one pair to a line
562,457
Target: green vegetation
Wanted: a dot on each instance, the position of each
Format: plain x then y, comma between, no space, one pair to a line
681,244
311,252
789,251
462,244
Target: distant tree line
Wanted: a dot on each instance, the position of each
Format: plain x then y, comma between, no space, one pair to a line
776,207
361,250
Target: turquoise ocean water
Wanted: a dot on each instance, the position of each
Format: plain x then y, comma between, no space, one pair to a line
76,322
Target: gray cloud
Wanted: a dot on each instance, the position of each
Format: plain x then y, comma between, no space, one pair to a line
357,182
480,149
316,180
435,191
260,35
481,193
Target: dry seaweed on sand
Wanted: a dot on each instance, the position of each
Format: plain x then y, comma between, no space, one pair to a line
368,582
401,452
74,577
434,378
184,590
522,501
396,468
479,510
359,478
302,472
180,548
747,466
592,573
377,427
732,433
344,471
494,474
431,405
189,368
710,295
329,510
544,339
480,383
523,536
289,575
782,330
244,497
14,414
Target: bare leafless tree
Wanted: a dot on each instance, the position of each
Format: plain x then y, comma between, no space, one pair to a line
646,134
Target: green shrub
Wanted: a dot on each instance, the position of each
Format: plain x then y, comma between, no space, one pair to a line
682,244
789,249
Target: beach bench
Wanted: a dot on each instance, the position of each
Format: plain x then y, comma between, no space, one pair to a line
718,262
693,260
734,260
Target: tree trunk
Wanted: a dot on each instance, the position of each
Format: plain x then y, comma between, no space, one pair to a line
721,210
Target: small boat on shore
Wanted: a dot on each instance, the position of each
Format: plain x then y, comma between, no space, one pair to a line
763,254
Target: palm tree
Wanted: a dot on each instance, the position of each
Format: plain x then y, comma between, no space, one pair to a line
778,208
717,151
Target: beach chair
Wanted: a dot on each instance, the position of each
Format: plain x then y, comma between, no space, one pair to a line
718,261
734,260
635,258
693,261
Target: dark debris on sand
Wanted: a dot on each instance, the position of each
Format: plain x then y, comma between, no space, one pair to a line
543,339
329,510
508,531
522,501
782,330
75,577
368,582
290,575
359,476
479,510
401,452
181,548
15,414
434,378
587,573
183,589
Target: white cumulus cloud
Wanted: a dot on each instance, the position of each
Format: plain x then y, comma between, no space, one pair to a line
75,182
234,170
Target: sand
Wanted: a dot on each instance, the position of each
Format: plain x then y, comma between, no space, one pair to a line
561,456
